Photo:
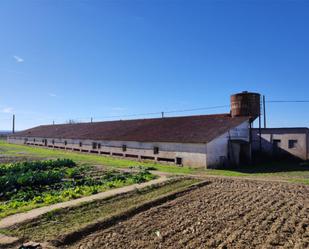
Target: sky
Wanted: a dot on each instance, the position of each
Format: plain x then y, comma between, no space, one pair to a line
73,60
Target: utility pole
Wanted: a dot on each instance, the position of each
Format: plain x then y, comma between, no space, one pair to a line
260,131
162,114
264,111
13,125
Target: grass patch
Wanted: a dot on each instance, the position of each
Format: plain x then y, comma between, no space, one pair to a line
292,172
297,172
53,224
302,181
15,150
222,172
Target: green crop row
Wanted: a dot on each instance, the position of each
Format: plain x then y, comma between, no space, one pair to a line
26,176
30,178
23,167
32,197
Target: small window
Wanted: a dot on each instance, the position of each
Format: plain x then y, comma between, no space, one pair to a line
65,142
43,140
99,146
34,140
80,144
178,160
53,141
292,144
94,145
124,147
155,150
276,142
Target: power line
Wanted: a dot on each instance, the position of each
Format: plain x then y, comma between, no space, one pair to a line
198,109
160,113
287,101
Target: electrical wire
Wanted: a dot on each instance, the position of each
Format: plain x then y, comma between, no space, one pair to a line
87,119
287,101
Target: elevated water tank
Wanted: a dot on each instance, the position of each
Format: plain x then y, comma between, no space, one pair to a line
245,104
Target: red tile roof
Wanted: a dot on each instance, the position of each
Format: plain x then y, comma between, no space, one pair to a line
188,129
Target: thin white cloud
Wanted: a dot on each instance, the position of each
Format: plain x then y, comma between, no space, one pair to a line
18,59
52,95
7,110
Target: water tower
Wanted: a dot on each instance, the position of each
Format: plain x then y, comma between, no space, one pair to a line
246,104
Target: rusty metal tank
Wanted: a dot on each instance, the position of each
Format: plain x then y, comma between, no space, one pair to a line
246,104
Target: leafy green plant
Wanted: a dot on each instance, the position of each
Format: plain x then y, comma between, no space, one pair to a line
23,167
49,182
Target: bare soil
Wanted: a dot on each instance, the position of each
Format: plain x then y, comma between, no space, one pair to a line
224,214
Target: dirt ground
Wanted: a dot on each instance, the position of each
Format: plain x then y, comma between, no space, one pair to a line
224,214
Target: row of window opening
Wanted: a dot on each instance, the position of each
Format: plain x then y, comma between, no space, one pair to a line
95,145
292,143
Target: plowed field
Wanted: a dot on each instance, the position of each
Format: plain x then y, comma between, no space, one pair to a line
224,214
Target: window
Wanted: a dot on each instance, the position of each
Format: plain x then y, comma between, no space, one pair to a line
147,157
178,160
172,160
292,143
276,142
65,142
99,146
124,147
80,144
94,145
53,141
155,150
34,140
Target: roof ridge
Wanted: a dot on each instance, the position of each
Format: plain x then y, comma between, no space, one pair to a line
184,129
142,119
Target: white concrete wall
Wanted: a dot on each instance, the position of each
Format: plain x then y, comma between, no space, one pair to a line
193,155
212,155
217,149
307,146
300,150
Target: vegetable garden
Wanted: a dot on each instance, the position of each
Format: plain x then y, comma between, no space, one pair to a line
27,185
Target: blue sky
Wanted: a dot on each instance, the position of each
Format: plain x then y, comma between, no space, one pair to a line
62,60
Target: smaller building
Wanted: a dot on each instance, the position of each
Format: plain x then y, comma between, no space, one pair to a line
282,142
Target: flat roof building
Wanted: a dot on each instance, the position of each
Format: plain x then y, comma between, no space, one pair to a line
290,142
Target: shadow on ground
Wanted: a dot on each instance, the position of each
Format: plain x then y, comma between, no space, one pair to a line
273,167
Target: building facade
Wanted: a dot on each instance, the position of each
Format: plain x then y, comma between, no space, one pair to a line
204,141
215,149
282,142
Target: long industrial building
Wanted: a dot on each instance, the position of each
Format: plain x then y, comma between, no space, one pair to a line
205,141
